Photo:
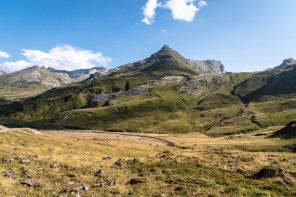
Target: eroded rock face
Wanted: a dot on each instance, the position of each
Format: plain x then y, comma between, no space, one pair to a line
137,90
203,84
208,66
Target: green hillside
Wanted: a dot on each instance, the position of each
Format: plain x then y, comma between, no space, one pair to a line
163,94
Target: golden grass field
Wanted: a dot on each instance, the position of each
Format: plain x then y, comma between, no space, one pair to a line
196,166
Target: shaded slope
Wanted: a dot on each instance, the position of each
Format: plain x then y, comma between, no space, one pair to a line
272,84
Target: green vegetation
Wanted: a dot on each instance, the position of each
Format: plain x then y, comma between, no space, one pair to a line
214,104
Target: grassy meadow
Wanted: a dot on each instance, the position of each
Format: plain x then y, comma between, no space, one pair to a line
197,165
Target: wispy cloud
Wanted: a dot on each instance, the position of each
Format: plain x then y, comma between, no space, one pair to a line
181,9
149,11
4,54
163,31
63,57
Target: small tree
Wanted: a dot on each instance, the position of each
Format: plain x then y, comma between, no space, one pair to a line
127,86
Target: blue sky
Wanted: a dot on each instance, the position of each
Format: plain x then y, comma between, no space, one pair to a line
246,35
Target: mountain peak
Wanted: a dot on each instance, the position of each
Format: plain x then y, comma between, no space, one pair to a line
286,62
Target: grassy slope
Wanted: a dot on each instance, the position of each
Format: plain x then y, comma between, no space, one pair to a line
204,169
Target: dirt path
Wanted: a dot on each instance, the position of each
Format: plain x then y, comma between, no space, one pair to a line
102,135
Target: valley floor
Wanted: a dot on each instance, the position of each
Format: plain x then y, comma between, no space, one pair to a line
67,163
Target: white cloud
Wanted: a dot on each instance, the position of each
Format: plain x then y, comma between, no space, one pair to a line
14,66
181,9
149,11
202,3
163,31
63,57
4,54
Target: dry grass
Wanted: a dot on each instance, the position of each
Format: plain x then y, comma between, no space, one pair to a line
199,166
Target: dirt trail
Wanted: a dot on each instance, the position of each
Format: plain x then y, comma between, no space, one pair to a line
102,134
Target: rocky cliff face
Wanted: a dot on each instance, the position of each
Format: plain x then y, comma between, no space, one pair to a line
80,74
208,66
202,85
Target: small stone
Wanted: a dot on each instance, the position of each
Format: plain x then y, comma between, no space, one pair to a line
166,171
162,194
100,172
19,157
33,156
53,165
118,163
136,181
112,183
5,160
239,170
179,188
30,183
9,174
99,185
86,187
25,161
50,158
69,183
136,160
26,168
288,181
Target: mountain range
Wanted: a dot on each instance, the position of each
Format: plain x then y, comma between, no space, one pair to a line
35,80
164,93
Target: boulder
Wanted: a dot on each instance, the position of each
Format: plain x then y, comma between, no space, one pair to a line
268,173
30,183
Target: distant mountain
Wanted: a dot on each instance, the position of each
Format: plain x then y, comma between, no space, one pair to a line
165,62
2,72
286,62
169,61
208,66
30,82
80,74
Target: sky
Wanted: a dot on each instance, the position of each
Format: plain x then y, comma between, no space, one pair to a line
245,35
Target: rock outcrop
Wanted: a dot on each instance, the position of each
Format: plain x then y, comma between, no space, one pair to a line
208,66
